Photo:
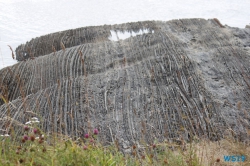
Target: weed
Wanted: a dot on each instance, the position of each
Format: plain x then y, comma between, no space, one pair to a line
12,52
62,46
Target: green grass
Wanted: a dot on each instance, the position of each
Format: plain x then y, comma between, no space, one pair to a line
87,151
35,148
61,152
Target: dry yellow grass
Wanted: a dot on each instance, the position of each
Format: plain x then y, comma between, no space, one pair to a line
212,153
12,52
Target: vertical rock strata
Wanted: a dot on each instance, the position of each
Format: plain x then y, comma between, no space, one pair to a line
184,78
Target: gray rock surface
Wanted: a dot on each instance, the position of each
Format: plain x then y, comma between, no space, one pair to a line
185,78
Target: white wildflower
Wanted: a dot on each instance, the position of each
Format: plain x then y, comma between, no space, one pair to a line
29,122
5,135
34,119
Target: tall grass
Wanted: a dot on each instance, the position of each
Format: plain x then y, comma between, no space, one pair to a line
35,148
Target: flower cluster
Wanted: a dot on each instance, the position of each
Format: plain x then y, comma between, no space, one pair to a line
91,141
28,141
32,121
35,132
31,137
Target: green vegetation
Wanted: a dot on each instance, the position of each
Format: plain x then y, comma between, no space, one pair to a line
35,148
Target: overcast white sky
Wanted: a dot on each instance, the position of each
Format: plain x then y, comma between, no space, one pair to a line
22,20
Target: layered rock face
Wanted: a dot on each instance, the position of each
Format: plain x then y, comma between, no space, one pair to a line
180,79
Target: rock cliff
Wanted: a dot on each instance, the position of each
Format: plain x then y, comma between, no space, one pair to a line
180,79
